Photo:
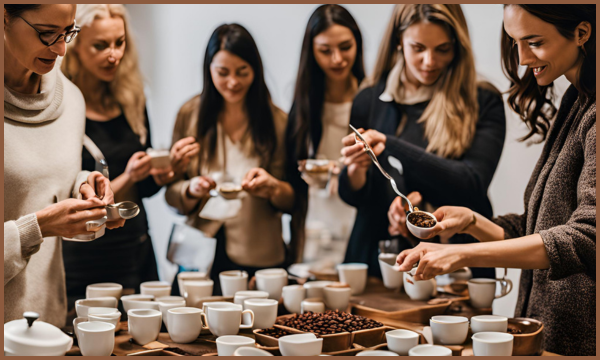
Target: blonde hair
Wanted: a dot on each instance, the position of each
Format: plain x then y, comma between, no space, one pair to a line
127,88
451,116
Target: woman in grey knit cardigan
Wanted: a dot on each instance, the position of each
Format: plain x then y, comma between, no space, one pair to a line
554,241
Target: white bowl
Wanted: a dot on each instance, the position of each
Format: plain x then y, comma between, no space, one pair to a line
228,344
429,350
82,306
420,232
156,288
400,341
449,330
314,289
489,323
492,344
300,345
103,289
376,353
250,351
137,301
111,318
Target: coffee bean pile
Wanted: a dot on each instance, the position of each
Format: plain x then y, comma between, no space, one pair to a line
330,322
421,220
273,332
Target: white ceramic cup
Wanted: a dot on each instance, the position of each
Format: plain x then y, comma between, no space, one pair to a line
421,232
315,305
166,305
392,278
184,276
271,281
449,330
76,321
250,351
355,275
226,318
489,323
492,344
337,298
228,344
103,289
483,291
138,301
233,281
240,296
156,288
314,289
292,298
400,341
185,324
196,290
82,306
419,290
376,353
109,315
265,312
429,350
96,338
144,325
300,345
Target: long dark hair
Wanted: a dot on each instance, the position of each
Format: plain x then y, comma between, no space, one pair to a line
309,94
14,10
533,102
237,40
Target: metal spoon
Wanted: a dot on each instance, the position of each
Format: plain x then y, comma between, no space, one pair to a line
124,210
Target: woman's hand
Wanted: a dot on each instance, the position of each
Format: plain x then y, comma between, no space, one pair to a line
451,221
200,187
98,186
182,152
434,259
163,176
353,152
397,214
138,167
68,218
259,182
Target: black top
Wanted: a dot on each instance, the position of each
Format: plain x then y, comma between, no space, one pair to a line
441,181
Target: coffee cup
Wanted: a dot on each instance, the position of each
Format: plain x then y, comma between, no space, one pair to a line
489,323
144,325
226,318
271,281
314,289
165,305
315,305
300,345
392,278
292,297
159,158
156,288
103,289
228,344
77,321
449,330
113,318
419,289
196,290
355,275
400,341
250,351
185,324
337,297
184,276
376,353
240,296
429,350
483,291
138,301
492,344
96,338
82,306
265,312
233,281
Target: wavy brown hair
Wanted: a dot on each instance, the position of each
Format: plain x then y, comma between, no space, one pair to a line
532,102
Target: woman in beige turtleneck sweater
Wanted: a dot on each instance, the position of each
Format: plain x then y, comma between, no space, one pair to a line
44,119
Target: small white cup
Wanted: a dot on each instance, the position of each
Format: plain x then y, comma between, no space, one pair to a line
292,298
184,276
96,338
265,312
156,288
77,321
449,330
138,301
228,344
314,289
108,315
419,290
165,306
185,324
226,318
271,281
144,325
355,275
315,305
421,232
240,296
376,353
492,344
250,351
82,306
429,350
233,281
300,345
400,341
483,291
103,289
196,290
489,323
392,278
337,298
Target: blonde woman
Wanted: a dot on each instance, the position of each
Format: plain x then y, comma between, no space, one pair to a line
424,107
103,63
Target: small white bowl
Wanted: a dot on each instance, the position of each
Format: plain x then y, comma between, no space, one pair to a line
449,330
429,350
376,353
228,344
492,344
401,340
137,301
250,351
314,289
82,306
111,318
156,288
300,345
420,232
103,289
489,323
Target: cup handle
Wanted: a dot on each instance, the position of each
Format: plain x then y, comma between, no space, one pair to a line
204,321
247,326
504,283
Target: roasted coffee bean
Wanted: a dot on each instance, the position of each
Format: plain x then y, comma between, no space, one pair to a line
331,322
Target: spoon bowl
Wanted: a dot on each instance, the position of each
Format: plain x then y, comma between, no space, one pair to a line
123,210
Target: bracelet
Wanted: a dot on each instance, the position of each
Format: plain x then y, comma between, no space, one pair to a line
473,222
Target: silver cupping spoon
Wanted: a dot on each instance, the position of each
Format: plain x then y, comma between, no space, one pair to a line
123,210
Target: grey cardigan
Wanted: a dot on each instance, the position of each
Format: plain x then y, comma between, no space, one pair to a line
560,205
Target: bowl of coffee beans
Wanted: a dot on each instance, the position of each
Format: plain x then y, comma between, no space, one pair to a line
421,223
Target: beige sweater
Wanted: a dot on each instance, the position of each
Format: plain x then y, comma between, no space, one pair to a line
43,136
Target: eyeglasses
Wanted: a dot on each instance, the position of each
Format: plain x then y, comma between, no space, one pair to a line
50,38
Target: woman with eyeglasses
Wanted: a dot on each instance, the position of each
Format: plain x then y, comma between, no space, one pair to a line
103,63
241,134
554,241
44,120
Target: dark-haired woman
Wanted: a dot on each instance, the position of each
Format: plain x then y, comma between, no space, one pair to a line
44,120
331,68
241,136
554,241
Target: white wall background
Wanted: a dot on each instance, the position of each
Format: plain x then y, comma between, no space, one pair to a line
171,40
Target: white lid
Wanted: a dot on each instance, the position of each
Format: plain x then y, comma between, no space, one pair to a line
40,338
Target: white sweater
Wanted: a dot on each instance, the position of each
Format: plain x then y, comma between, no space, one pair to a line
43,137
